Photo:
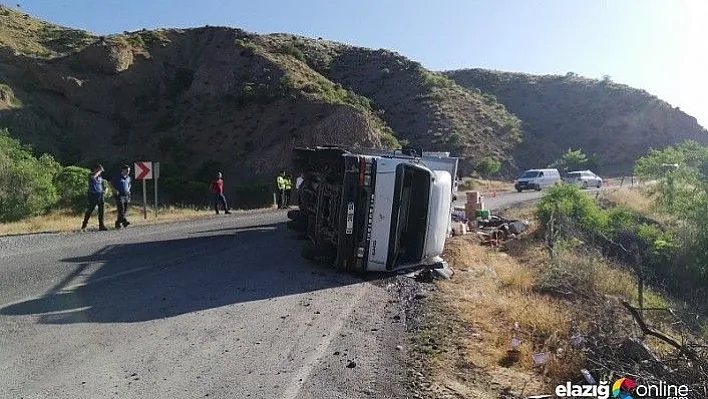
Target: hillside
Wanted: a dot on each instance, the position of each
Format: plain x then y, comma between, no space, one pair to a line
198,99
614,121
216,97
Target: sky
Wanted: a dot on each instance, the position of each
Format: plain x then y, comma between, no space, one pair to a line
660,46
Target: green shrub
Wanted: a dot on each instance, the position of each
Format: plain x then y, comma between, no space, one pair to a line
252,196
185,192
487,166
568,203
71,184
26,182
620,217
433,79
292,50
248,47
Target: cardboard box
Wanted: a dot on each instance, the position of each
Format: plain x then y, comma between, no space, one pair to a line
474,197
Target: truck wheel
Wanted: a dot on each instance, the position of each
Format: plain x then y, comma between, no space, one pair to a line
519,190
294,214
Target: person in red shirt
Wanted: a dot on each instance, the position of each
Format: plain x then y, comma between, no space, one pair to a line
217,188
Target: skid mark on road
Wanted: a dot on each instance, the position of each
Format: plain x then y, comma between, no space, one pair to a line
302,375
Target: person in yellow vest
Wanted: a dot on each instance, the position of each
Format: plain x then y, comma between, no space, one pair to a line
280,194
288,190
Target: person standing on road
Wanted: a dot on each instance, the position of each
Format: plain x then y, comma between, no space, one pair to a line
121,194
96,189
280,195
217,188
288,191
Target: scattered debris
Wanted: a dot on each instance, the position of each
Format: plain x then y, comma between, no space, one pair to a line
497,230
588,377
541,358
443,273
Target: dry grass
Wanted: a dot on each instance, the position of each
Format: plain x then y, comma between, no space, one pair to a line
485,186
634,198
63,221
489,294
493,290
28,35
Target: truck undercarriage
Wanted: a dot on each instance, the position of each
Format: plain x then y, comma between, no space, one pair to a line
320,203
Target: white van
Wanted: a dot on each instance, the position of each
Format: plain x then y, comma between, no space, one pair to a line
536,179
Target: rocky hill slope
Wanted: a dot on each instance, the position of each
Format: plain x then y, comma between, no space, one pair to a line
203,98
215,97
616,122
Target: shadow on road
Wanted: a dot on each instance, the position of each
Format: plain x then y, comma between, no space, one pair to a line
153,280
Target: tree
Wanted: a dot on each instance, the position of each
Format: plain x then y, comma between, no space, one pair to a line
681,173
487,166
681,189
571,160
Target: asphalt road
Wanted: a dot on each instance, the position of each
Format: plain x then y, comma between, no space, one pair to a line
507,199
222,307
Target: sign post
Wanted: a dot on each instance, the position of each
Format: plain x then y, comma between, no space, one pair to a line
156,175
143,171
145,211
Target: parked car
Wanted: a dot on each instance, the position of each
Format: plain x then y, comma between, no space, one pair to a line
537,179
584,178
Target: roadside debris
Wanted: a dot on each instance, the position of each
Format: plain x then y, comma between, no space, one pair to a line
497,230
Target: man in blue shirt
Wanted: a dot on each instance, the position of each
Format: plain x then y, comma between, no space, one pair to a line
121,194
96,189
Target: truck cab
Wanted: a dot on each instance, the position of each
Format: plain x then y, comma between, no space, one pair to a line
375,210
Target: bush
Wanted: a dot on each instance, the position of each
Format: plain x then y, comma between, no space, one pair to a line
292,50
185,192
487,166
620,217
252,196
26,187
71,186
568,203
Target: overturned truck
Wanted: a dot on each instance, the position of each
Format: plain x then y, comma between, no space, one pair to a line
374,210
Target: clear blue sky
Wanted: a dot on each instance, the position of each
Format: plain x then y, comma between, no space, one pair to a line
659,46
